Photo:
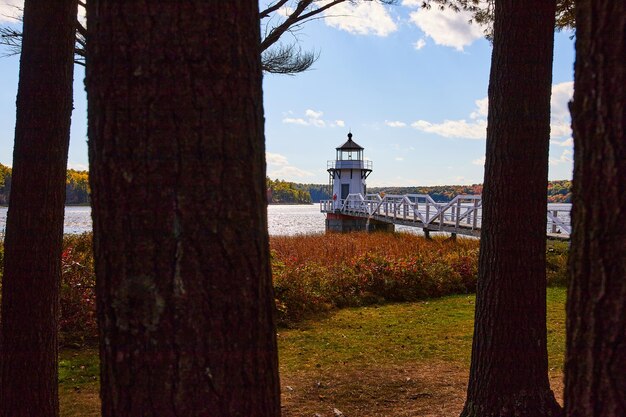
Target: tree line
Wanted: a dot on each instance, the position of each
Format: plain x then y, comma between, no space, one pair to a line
184,295
558,191
286,192
76,186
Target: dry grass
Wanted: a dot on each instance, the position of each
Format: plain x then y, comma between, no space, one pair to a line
338,248
396,360
393,360
420,389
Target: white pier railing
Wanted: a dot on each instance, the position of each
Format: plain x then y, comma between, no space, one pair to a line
462,215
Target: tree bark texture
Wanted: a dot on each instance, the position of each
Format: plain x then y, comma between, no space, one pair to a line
177,164
34,230
595,369
509,366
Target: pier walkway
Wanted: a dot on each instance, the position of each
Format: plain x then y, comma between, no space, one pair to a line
460,216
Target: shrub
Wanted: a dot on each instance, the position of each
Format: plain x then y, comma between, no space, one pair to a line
77,323
320,272
317,273
556,263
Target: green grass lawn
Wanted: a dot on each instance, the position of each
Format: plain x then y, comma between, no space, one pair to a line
392,335
438,329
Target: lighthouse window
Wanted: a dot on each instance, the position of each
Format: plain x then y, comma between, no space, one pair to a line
349,155
345,190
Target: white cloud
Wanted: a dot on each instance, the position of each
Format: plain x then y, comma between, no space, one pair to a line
560,119
285,11
295,121
362,18
315,118
482,106
479,161
10,10
82,15
454,128
399,158
566,142
395,123
566,157
289,172
561,95
559,129
317,122
275,159
313,114
312,118
476,128
412,3
278,167
419,44
446,27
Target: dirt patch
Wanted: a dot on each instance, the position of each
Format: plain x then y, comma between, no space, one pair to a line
80,402
556,383
428,389
424,390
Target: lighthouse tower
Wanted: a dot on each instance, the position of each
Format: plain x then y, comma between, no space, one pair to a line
348,172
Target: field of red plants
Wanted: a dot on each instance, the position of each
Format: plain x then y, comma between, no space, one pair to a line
321,272
318,273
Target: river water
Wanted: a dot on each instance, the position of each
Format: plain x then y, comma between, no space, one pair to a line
282,220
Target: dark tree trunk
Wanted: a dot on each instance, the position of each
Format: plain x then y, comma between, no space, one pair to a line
595,370
177,158
34,230
509,369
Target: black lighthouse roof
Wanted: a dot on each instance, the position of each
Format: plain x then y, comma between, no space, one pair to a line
350,145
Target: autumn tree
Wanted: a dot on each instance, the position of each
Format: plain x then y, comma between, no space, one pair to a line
34,230
176,147
509,366
5,184
595,369
278,19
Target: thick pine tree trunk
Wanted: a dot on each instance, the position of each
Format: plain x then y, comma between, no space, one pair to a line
595,370
177,159
34,230
509,368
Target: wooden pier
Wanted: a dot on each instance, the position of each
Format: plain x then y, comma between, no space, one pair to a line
460,216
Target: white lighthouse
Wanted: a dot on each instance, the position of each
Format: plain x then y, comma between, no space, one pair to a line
348,171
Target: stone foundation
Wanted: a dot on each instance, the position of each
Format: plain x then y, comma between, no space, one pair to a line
343,224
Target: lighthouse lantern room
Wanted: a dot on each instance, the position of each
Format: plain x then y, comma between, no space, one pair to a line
348,171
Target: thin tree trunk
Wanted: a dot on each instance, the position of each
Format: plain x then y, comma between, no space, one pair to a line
34,230
177,159
595,370
509,368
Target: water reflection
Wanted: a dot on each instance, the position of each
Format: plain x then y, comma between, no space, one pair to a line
282,220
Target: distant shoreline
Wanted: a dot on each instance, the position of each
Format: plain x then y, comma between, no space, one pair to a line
291,204
269,204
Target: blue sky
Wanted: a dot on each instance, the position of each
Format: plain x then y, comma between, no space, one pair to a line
410,84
